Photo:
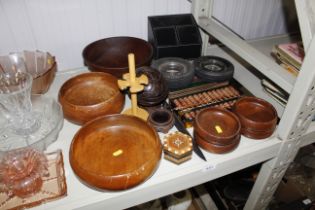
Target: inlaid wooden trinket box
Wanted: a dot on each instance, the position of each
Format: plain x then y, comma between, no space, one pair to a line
177,147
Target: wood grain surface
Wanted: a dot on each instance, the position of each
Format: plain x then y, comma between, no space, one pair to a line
115,152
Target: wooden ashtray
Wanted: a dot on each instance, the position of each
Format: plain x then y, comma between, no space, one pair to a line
177,147
115,152
90,95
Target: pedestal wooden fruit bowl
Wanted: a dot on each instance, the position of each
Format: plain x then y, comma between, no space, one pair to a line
115,152
90,95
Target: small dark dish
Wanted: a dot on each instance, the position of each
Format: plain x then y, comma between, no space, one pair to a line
110,55
257,116
217,125
115,152
156,91
90,95
161,119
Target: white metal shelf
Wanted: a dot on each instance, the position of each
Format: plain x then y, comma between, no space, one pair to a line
168,178
244,76
309,137
253,56
295,127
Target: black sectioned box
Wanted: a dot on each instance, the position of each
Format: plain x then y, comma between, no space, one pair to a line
174,36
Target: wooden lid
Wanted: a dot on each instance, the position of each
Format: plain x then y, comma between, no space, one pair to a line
115,152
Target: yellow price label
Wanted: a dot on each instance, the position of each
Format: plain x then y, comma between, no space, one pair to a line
117,153
218,129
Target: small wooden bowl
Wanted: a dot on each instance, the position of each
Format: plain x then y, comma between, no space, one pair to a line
90,95
217,125
115,152
215,148
256,115
161,119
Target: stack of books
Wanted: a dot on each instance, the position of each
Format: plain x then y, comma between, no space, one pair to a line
290,56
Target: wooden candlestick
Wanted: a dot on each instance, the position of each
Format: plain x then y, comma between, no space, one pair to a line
135,85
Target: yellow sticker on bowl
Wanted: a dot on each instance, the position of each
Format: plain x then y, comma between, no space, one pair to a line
218,129
117,153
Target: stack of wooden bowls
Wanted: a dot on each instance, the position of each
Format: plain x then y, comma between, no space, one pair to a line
257,116
217,130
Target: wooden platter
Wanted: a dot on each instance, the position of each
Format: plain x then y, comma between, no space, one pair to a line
115,152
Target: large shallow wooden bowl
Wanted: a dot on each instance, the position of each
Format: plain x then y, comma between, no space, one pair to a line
217,125
110,55
90,95
256,116
115,152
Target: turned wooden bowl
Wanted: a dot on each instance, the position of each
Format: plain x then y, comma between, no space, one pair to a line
257,116
156,91
161,119
110,55
90,95
217,125
215,148
115,152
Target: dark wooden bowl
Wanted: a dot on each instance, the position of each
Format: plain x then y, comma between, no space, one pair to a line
206,121
115,152
156,91
215,148
256,115
161,119
110,55
90,95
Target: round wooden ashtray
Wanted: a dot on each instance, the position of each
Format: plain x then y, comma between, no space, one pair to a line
115,152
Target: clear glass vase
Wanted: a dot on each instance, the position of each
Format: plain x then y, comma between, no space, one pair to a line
15,102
